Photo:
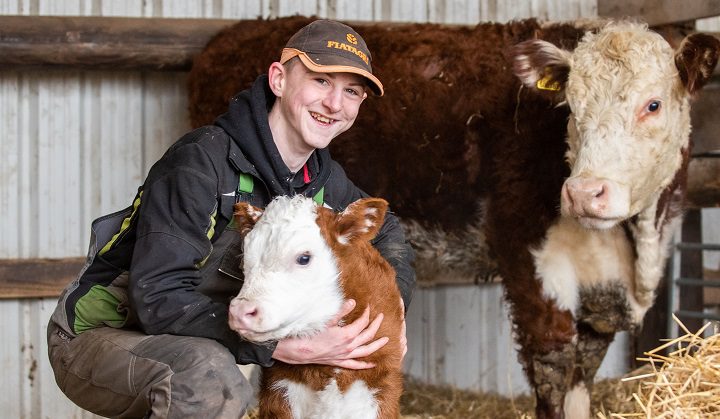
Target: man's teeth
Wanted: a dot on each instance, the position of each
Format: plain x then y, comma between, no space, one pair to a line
323,119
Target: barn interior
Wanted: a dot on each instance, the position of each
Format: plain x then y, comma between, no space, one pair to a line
92,94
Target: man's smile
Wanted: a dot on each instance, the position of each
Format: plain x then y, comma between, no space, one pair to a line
321,118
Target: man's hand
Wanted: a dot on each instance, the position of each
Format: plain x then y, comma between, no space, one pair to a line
337,345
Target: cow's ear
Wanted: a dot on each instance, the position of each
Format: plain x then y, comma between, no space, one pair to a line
541,66
245,216
361,220
695,60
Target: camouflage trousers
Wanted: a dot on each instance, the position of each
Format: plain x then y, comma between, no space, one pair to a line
124,373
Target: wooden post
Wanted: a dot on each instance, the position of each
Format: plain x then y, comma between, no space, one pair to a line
691,266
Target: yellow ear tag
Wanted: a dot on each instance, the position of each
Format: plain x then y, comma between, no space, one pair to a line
546,83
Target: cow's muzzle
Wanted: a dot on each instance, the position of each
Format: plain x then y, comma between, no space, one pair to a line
595,202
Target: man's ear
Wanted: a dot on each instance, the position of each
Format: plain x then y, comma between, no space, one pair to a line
277,73
245,216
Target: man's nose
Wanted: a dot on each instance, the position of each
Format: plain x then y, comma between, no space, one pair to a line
333,100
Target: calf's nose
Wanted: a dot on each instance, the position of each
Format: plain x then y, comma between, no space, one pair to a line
243,314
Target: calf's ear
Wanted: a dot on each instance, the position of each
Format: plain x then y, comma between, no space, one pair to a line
245,216
361,220
695,60
541,66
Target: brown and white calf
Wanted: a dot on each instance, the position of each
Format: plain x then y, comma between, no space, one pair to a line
301,261
627,148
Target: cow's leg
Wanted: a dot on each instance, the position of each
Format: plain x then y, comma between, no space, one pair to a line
547,341
603,311
591,349
551,377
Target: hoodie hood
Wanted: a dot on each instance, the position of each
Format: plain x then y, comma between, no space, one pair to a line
246,121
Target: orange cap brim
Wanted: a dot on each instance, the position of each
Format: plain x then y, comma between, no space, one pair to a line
289,53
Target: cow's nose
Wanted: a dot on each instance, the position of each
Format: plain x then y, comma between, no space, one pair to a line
586,197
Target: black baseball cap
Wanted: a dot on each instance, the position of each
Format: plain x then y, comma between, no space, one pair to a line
327,46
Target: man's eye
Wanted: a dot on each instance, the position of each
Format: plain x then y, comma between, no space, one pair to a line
353,92
322,81
303,259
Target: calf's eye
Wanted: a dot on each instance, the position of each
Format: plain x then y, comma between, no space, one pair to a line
303,259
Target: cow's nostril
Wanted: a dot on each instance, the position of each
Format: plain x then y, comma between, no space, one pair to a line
252,313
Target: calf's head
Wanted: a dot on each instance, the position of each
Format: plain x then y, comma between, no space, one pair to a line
628,131
293,283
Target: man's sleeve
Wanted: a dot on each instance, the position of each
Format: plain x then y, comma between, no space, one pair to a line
391,244
173,241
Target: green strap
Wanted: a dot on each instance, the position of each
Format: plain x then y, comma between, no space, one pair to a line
318,198
246,184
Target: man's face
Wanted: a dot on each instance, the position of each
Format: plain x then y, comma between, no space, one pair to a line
313,108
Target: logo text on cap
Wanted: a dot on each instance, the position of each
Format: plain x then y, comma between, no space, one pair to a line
346,47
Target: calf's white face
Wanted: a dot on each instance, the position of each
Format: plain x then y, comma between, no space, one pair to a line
629,124
291,277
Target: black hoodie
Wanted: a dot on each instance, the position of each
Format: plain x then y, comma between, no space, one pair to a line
155,264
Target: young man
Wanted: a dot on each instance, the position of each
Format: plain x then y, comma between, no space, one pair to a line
143,330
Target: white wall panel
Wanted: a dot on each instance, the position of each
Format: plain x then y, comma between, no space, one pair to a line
28,389
11,152
351,10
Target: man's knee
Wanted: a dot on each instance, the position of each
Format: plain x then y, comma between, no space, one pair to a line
205,373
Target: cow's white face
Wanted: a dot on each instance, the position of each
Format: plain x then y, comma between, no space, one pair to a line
628,127
291,277
628,133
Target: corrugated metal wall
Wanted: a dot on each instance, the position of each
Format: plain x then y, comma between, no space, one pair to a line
76,145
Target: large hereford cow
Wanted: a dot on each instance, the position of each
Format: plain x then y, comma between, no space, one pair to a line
572,173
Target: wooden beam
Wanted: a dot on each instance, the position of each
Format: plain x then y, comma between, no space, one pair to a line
37,278
658,12
104,42
116,43
110,43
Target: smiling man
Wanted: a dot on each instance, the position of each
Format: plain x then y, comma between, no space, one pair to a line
143,331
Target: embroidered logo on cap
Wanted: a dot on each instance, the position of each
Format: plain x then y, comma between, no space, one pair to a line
351,39
349,48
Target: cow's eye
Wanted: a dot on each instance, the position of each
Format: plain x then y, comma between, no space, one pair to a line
303,259
653,106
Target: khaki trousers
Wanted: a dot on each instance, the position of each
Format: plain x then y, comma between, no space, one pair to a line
126,374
